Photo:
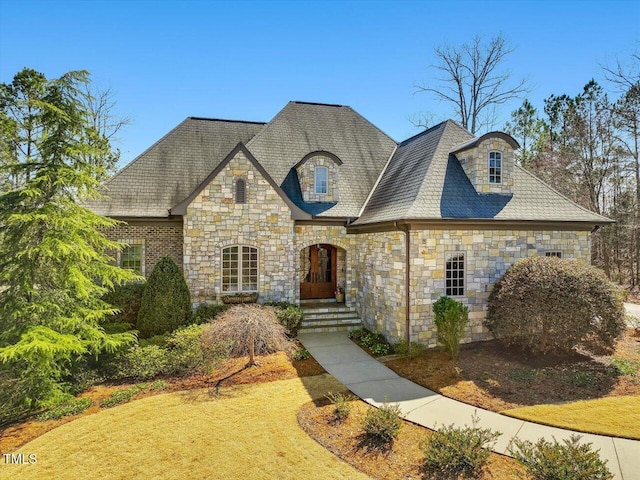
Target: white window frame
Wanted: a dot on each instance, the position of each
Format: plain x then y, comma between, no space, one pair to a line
123,253
227,271
553,253
497,168
320,168
457,274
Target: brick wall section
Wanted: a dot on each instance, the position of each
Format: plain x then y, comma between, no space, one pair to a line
159,241
475,163
214,221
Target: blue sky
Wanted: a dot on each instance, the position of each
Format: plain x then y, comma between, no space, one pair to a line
244,60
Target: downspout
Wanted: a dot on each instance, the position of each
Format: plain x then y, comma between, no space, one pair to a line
407,284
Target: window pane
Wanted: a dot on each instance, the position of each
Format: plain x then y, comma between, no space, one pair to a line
454,274
131,258
322,174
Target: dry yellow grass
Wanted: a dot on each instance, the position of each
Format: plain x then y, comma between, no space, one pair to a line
616,416
244,432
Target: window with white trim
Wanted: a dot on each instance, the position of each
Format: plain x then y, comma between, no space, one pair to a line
132,258
454,274
239,269
321,179
553,253
495,167
241,191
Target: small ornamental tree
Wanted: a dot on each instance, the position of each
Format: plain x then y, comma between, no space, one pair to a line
548,304
166,302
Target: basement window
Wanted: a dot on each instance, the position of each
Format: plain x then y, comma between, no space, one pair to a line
553,253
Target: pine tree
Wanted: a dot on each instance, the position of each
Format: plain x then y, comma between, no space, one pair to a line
54,268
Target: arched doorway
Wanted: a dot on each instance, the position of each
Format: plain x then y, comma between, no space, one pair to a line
318,271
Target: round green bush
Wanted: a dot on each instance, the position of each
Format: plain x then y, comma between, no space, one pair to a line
166,302
548,304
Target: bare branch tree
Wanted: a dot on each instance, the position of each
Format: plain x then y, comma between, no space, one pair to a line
472,81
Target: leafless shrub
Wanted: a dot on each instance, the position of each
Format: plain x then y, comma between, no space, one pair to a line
250,330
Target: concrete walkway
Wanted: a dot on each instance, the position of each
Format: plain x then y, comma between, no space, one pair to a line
375,383
632,309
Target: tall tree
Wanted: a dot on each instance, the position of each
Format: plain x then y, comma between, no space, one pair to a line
526,127
473,80
53,263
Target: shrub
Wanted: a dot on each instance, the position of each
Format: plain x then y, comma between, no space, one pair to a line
369,339
383,423
188,352
138,363
205,312
127,298
290,318
357,333
166,302
249,330
548,304
568,460
301,354
409,350
159,385
157,340
341,404
451,318
72,407
455,451
380,348
122,396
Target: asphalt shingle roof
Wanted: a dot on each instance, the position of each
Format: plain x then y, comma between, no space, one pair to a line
166,173
301,128
424,181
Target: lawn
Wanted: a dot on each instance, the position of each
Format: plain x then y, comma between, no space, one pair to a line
246,431
507,380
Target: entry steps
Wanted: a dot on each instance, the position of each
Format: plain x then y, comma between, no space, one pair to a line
326,315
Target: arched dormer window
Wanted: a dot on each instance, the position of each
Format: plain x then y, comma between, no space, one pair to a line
321,180
241,191
495,167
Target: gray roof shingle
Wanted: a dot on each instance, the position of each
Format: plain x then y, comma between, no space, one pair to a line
301,128
167,172
424,181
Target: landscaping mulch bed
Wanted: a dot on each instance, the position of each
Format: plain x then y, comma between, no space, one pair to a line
232,372
402,460
493,377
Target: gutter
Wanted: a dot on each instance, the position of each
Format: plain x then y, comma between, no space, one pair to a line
407,289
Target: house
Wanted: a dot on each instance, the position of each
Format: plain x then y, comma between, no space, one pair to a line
319,197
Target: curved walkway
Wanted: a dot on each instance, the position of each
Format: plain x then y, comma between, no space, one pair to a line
375,383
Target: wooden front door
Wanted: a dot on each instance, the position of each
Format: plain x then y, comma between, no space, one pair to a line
319,271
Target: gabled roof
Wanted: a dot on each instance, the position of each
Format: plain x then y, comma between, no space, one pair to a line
170,170
296,213
425,181
301,128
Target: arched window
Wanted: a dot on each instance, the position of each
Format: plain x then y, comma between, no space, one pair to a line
495,167
241,191
239,269
322,177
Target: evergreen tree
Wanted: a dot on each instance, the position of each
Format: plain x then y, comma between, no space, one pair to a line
53,263
166,302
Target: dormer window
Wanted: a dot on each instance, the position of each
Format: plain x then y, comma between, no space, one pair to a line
495,167
241,191
322,176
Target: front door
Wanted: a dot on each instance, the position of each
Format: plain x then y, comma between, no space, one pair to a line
319,271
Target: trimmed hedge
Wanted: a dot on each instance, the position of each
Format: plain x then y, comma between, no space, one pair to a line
548,304
166,302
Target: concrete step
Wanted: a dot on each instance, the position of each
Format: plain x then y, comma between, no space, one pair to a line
330,328
310,312
317,300
350,320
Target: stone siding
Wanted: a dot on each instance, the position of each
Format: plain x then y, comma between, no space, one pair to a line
214,221
488,254
475,163
159,240
306,176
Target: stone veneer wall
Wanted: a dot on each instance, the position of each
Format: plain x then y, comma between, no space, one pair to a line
488,254
475,163
159,240
306,176
379,276
213,221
